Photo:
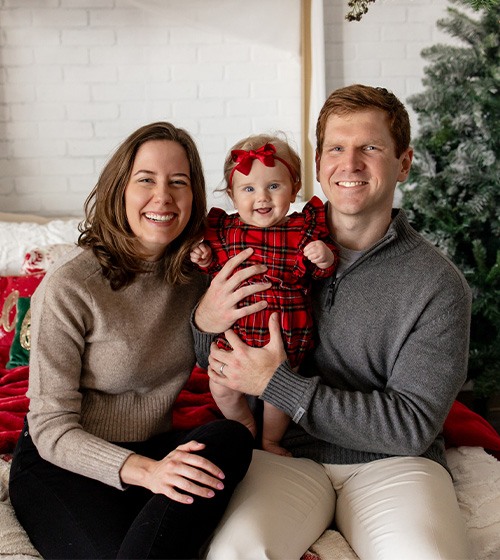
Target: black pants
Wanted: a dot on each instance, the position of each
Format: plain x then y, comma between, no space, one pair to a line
67,515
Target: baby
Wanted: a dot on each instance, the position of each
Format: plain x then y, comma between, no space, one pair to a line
262,175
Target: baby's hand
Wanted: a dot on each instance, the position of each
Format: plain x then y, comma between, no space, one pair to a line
201,255
319,254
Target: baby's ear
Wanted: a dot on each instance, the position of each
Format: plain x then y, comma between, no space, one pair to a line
295,190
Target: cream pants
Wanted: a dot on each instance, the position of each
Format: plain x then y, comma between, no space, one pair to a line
401,508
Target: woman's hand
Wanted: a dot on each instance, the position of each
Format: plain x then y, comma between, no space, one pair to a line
247,369
218,309
182,470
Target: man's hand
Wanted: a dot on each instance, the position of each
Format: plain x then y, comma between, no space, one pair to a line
244,368
218,309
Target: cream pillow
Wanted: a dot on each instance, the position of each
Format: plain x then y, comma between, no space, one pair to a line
21,233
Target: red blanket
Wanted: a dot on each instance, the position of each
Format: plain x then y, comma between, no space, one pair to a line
195,406
13,405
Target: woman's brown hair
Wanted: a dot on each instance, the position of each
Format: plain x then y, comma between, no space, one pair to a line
106,230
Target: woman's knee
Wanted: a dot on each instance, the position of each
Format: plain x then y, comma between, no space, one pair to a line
228,444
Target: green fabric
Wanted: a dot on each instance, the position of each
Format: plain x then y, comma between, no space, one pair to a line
19,356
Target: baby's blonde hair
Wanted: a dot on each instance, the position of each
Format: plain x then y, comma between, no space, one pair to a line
283,151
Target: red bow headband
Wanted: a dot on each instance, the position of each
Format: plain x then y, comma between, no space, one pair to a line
245,158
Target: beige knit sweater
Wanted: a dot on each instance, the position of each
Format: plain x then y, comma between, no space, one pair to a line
105,366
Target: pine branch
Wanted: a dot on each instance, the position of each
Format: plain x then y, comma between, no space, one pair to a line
484,4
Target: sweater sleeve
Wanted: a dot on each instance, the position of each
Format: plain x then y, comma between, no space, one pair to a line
202,343
390,400
61,315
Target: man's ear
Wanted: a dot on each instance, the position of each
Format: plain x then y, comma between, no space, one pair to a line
317,159
406,160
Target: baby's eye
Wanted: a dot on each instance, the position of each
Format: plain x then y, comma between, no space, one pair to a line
274,186
248,189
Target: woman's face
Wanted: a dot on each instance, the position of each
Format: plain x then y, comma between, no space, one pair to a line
158,196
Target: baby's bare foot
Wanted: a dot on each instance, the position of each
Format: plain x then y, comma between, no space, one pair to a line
275,448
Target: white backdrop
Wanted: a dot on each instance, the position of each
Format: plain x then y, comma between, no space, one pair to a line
77,76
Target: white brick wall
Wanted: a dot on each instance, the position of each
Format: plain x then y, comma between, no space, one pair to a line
383,49
77,76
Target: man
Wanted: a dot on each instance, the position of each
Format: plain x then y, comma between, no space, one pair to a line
369,403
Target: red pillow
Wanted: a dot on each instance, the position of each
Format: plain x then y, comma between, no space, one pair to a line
465,427
11,289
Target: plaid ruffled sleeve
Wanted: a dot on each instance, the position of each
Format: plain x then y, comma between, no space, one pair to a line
315,228
215,237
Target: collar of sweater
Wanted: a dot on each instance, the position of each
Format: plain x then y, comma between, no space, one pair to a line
399,239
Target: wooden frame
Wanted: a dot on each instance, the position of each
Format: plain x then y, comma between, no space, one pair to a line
306,55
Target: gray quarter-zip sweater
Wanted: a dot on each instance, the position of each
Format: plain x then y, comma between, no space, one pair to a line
391,356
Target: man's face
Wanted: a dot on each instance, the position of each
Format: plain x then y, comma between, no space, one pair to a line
357,167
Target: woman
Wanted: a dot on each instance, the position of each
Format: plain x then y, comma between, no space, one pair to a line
98,472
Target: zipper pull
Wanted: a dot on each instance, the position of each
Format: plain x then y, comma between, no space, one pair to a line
331,293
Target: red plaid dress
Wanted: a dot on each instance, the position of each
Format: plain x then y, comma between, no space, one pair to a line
280,248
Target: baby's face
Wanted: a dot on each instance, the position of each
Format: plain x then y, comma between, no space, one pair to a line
263,197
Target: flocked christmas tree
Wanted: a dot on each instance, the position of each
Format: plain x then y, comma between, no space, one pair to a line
453,193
